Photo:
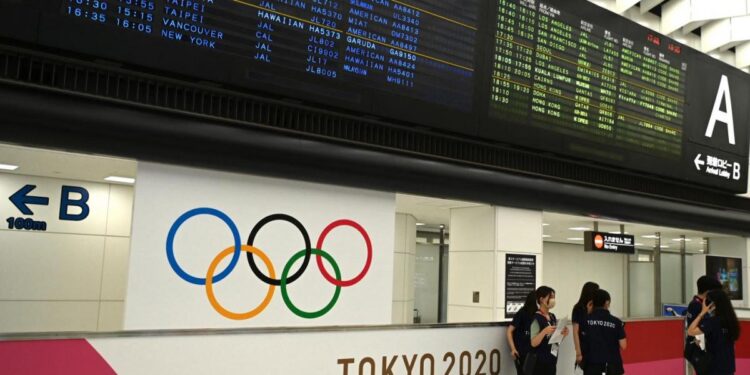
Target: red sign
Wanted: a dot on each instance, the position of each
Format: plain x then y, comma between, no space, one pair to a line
599,241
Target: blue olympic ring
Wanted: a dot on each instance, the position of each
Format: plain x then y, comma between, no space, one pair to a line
173,231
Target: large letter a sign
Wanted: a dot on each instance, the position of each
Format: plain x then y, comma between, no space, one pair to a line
718,115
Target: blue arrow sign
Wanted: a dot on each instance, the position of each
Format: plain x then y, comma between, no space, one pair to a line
21,198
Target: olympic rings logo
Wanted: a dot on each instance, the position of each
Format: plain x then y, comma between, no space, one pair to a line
251,251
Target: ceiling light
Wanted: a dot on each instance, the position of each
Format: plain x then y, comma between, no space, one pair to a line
8,167
650,236
681,239
575,239
579,229
665,246
420,224
638,244
546,236
124,180
544,224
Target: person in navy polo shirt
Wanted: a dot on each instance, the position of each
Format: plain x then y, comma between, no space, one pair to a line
605,336
705,284
718,321
581,310
518,335
542,328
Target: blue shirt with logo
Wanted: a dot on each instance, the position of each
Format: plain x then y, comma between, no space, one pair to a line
603,333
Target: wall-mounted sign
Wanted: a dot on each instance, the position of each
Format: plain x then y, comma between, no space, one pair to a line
47,204
669,309
609,242
520,280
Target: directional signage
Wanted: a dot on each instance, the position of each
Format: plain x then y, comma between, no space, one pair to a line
46,204
609,242
719,167
21,199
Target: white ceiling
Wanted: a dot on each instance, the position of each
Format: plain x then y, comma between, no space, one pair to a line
723,25
59,164
558,228
434,212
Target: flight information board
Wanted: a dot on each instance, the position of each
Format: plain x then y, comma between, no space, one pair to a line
564,77
555,70
416,48
568,77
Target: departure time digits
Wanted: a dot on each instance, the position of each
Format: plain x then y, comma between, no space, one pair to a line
415,48
569,75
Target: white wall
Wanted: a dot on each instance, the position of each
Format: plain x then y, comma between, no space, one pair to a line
403,269
567,267
480,239
72,276
157,298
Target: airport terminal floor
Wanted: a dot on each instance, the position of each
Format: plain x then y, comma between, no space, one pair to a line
374,187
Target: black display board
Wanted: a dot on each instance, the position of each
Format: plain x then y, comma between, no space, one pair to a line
603,242
728,271
570,78
520,280
559,76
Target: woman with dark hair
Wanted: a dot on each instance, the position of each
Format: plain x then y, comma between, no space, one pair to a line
518,334
718,321
580,311
542,328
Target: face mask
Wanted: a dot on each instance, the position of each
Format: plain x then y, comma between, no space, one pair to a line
551,304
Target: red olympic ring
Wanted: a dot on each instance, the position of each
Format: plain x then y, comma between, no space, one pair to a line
368,262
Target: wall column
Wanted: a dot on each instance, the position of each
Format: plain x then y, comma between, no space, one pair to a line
403,269
480,239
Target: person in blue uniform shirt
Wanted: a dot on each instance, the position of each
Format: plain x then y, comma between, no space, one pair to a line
605,336
518,335
580,311
705,284
542,328
718,321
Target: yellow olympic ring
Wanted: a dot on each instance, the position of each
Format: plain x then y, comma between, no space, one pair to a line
210,289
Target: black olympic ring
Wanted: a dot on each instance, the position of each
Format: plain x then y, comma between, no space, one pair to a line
305,236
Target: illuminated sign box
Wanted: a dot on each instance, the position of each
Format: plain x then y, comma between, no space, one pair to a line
603,242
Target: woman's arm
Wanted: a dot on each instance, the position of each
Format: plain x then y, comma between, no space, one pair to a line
623,344
693,330
536,339
511,344
576,340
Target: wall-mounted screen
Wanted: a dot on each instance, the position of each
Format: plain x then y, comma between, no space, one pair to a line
729,273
